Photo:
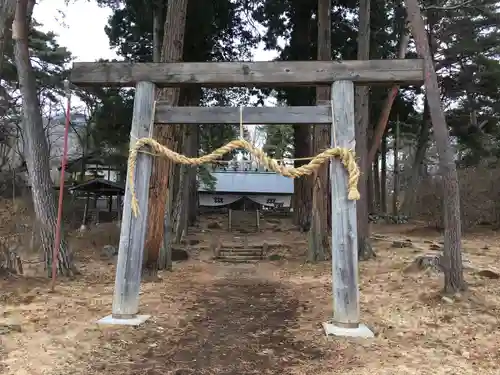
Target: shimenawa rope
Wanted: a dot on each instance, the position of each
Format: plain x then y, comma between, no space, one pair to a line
346,156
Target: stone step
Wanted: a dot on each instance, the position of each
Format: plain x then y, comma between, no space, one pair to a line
240,253
243,250
242,247
238,260
233,256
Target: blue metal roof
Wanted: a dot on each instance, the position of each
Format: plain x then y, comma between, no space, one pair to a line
250,182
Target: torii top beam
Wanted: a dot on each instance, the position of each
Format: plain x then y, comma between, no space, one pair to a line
262,73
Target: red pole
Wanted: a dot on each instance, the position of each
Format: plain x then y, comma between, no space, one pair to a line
57,242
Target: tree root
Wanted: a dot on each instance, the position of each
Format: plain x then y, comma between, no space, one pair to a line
424,262
365,249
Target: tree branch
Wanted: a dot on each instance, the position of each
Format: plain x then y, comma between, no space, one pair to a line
7,10
451,7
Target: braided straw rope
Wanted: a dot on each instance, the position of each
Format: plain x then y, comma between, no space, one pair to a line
346,156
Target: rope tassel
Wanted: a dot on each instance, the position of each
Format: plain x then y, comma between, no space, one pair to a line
346,156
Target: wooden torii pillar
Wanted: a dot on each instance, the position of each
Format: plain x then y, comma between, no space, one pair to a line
341,75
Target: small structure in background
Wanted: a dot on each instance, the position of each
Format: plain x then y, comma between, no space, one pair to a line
94,166
100,178
245,190
99,188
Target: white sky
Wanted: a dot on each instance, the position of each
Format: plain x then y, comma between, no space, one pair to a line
79,26
87,40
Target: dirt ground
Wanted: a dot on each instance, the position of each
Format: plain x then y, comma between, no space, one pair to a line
216,318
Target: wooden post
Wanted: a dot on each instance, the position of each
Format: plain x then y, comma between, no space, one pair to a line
344,233
133,229
229,220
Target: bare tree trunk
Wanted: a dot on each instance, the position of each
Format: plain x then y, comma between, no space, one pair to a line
302,192
319,243
393,92
376,185
408,198
189,198
180,207
158,16
185,203
396,183
172,50
383,175
302,134
7,11
370,190
194,146
409,194
182,192
35,144
175,219
453,267
165,253
365,250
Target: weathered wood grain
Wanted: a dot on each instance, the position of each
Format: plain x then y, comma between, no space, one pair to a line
251,115
265,73
133,229
344,230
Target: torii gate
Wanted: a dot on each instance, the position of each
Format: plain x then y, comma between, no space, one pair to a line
146,77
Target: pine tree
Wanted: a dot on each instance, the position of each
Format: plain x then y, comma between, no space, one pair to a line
35,148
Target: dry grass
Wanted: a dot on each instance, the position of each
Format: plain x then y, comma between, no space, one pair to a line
214,318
